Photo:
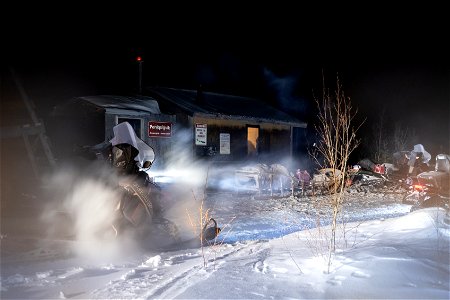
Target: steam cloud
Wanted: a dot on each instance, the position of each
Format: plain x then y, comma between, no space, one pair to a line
284,88
82,208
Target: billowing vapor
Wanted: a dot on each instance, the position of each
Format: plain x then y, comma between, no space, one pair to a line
180,165
82,209
284,88
92,207
183,180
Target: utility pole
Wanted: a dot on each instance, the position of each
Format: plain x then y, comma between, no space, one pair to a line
140,61
34,130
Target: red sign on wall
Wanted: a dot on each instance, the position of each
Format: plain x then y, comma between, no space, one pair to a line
159,129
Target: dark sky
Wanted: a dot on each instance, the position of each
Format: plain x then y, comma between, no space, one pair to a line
383,60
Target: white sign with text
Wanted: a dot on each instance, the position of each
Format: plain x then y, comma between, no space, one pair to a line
224,143
200,134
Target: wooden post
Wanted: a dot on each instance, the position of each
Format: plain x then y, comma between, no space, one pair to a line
41,133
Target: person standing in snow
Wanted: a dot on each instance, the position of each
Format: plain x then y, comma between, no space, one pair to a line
417,157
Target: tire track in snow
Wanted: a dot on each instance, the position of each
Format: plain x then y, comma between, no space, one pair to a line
196,272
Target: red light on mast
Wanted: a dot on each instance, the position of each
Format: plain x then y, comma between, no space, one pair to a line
139,58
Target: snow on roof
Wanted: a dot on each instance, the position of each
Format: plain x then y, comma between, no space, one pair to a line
138,103
225,106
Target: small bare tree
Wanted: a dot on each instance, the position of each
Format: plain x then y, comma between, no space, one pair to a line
336,141
199,222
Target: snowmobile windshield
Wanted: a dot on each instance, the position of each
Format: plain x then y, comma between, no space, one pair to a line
124,134
442,163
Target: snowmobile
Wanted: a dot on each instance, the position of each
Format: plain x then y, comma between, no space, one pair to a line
141,207
143,203
431,188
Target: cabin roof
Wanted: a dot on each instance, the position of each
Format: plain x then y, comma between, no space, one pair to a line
136,103
195,102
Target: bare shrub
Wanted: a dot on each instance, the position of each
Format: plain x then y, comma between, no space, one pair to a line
198,222
336,141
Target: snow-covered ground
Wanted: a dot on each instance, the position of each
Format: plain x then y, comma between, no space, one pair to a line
269,248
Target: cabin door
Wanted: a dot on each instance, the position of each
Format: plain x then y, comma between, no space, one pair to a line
252,140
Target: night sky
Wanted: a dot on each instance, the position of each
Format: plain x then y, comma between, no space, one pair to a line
383,61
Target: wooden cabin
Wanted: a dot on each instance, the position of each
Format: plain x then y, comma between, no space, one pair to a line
229,128
89,120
